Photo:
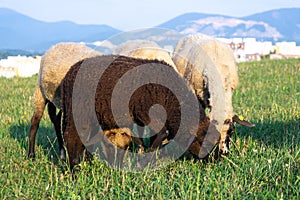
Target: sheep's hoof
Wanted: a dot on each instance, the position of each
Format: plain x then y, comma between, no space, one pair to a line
225,151
31,155
165,141
141,149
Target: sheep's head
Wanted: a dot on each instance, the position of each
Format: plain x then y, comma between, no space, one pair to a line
120,137
229,125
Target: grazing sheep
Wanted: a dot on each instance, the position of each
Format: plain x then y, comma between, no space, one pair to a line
54,66
106,71
117,137
197,144
144,49
196,57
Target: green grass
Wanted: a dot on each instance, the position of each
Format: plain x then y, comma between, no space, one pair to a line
264,162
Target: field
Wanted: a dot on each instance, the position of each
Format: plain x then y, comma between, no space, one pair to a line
264,162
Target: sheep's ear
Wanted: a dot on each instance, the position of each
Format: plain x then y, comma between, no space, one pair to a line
236,119
109,133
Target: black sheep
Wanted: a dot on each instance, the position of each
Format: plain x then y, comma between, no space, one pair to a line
102,74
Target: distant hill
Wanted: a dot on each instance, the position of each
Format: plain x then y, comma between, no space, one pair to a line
18,31
286,21
275,25
4,53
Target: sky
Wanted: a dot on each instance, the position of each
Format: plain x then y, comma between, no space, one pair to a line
135,14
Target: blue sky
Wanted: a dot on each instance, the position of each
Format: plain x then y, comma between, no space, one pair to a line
135,14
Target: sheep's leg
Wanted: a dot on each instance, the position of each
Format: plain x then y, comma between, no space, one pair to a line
62,150
39,107
138,140
74,145
222,144
56,120
158,139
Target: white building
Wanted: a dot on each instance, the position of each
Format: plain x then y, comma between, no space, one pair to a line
254,47
247,49
288,49
20,66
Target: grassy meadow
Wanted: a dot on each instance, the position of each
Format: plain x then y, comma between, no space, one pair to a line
264,162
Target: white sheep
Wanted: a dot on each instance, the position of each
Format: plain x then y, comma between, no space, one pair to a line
144,49
200,59
54,66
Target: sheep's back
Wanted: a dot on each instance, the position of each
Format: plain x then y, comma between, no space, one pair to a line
144,49
138,105
55,64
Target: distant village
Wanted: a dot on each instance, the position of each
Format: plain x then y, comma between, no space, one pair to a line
248,49
19,66
244,49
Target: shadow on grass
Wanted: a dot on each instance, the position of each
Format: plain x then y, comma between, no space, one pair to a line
269,133
276,134
45,138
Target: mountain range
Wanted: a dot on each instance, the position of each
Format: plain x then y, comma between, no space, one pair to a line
18,31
